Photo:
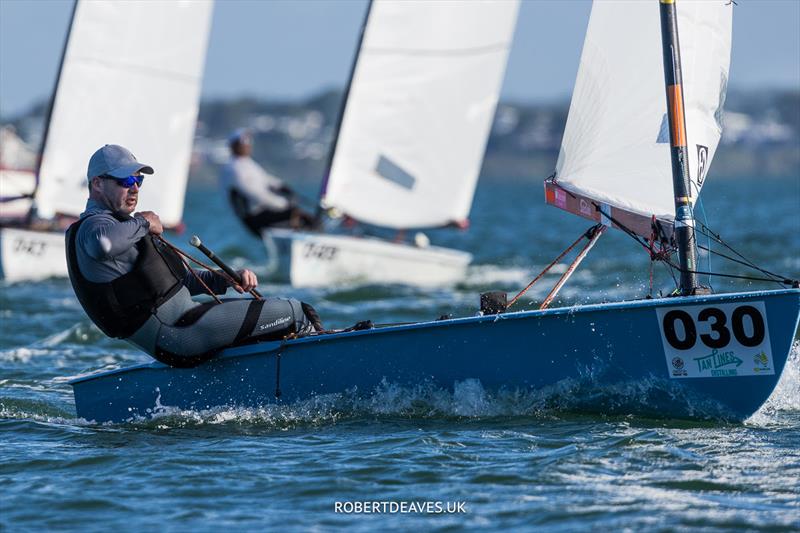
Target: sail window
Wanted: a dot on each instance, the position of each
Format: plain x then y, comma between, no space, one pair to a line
392,172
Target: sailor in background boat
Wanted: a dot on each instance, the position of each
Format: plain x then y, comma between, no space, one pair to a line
258,198
136,287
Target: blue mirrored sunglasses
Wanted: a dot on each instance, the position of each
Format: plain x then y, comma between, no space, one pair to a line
126,182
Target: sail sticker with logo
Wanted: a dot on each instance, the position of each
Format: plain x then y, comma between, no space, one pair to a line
702,164
716,340
586,207
561,198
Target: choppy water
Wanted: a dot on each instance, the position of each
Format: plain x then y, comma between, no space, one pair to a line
511,462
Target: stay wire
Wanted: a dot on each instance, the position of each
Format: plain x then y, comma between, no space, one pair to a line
781,280
705,230
744,260
637,238
786,281
718,274
704,224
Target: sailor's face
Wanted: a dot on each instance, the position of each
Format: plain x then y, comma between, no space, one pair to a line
118,198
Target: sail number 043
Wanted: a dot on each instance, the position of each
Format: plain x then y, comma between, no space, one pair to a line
721,328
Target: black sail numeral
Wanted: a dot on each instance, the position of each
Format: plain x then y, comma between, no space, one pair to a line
690,331
723,336
737,322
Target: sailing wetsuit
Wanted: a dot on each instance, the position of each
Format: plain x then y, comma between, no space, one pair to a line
137,289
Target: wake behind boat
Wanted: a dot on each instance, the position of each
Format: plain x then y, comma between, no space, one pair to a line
145,96
410,141
695,355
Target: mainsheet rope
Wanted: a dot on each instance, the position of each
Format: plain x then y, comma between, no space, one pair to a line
183,255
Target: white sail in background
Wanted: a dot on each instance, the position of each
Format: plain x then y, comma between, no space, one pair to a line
131,76
616,147
419,111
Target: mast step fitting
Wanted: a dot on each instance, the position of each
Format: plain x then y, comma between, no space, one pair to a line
701,291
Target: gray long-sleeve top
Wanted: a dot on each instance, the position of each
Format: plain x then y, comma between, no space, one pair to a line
106,249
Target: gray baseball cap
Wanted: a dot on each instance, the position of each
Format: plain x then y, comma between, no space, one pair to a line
114,160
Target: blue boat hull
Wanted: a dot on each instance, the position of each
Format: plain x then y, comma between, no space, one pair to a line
597,349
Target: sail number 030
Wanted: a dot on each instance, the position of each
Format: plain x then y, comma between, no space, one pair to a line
721,329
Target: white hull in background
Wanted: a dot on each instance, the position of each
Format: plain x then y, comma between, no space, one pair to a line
318,259
16,183
30,255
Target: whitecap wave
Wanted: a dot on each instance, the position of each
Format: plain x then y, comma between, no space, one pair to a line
483,275
23,354
786,396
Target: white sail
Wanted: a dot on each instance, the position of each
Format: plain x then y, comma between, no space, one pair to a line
616,148
419,111
131,76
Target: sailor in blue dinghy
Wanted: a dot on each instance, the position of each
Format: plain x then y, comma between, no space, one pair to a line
135,286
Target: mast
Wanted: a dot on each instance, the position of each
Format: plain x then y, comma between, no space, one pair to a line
684,218
340,118
52,105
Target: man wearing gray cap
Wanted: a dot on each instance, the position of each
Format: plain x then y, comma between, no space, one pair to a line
134,287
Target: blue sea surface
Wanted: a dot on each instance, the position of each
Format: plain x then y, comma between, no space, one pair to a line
394,457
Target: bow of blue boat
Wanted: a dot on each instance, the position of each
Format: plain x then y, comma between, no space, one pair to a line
706,357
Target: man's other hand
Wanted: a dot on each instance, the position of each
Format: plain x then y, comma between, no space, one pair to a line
155,223
249,281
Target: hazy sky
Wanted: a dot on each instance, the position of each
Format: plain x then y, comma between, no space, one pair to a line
292,49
